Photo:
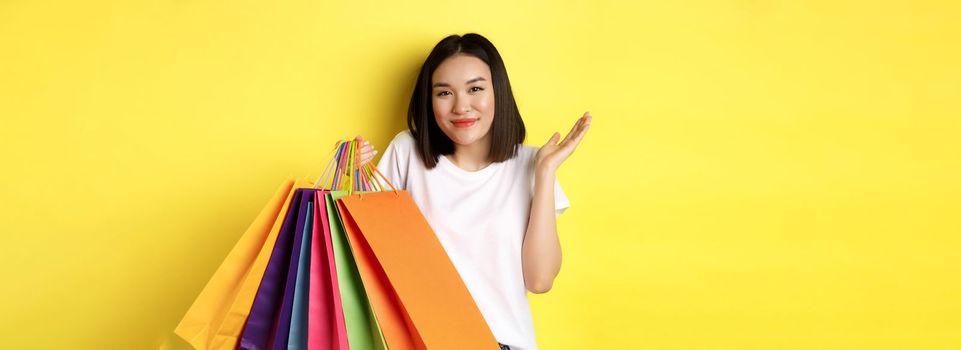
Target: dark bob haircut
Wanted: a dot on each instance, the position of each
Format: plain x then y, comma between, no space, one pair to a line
507,129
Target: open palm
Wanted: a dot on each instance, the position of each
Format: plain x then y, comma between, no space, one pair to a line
553,153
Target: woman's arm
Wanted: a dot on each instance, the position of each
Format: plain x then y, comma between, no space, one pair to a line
541,252
542,249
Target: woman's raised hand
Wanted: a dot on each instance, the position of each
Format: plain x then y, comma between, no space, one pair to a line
552,154
367,151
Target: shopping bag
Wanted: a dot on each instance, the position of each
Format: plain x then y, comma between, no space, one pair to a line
402,284
362,328
229,334
214,309
285,319
259,330
430,292
398,332
325,320
297,339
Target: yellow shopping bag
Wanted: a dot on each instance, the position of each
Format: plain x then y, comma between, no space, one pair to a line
217,316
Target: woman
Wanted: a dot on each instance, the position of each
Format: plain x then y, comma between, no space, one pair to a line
491,200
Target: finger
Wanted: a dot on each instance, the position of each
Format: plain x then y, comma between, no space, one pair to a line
585,123
582,131
366,158
577,127
577,124
574,139
553,139
571,135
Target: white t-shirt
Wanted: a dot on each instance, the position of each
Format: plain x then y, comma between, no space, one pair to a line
480,219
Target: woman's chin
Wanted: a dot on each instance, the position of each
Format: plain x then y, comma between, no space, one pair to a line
464,137
463,141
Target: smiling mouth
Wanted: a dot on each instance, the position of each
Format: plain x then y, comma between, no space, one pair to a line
464,123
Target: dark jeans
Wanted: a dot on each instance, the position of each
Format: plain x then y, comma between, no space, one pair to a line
504,347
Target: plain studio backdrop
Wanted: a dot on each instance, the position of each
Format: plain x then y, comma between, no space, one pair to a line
758,175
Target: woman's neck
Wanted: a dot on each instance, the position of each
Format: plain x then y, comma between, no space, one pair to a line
472,157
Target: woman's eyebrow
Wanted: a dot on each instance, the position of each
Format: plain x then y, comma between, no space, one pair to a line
443,84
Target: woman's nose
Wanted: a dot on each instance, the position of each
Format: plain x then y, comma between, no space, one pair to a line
462,106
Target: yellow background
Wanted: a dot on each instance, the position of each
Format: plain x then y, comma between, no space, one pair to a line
759,174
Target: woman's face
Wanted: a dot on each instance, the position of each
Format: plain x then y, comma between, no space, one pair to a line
463,98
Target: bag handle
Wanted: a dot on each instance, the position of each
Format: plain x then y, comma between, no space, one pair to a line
345,173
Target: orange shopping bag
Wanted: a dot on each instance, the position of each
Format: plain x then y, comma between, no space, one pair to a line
412,284
431,294
399,333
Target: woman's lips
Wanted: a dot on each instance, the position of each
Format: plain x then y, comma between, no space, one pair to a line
463,123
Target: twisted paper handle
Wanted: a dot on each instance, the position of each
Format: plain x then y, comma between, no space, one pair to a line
345,173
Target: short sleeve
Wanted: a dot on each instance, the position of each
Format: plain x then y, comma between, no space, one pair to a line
396,159
561,203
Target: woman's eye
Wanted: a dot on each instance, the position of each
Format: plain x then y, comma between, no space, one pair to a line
442,93
478,88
